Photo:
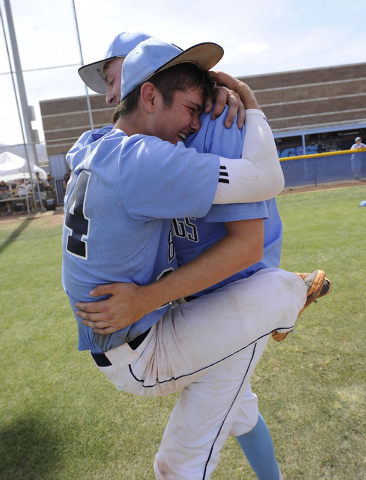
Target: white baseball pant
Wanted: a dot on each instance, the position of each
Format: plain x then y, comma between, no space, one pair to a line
207,348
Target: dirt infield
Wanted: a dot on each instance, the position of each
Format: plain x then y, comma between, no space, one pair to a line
50,218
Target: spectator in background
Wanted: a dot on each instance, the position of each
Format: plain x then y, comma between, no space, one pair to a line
49,183
22,187
66,179
40,189
39,183
4,194
356,158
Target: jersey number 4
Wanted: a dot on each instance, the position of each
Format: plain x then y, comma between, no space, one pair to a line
75,220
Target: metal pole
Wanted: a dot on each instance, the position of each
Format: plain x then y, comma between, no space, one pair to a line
20,118
82,64
304,153
21,87
303,144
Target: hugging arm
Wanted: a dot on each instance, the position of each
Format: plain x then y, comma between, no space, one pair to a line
222,96
240,248
255,177
258,175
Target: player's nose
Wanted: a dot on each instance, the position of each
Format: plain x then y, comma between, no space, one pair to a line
110,99
195,123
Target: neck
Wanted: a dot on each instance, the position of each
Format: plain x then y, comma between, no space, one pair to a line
132,124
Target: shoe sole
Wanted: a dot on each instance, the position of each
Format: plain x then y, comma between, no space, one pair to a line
326,279
314,292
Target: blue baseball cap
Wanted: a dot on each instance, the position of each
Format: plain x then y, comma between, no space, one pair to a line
121,46
153,55
363,203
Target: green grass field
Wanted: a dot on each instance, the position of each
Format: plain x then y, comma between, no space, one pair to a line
61,419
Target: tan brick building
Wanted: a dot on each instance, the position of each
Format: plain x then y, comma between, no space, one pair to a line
65,119
312,110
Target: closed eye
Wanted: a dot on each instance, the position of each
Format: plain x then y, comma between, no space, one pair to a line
108,80
194,108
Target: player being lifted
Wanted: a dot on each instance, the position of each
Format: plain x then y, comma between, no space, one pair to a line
200,309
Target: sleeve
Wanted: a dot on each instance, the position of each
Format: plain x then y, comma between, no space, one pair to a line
214,137
258,176
162,180
236,211
87,138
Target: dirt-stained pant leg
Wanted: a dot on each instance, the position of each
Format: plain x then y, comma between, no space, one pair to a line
202,418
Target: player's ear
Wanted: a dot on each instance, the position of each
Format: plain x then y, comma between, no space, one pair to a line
148,96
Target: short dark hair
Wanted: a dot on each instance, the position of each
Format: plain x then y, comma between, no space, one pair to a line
178,78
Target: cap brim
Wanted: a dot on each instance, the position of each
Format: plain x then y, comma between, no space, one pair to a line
205,55
92,75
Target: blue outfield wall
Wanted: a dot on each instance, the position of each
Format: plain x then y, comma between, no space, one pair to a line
320,169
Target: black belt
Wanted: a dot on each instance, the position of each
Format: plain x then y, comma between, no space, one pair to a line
190,298
102,360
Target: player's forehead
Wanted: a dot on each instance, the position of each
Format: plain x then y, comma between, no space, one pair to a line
193,97
113,67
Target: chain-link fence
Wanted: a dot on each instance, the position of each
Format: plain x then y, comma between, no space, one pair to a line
321,169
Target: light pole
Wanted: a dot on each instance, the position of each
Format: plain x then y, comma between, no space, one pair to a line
26,112
20,118
82,64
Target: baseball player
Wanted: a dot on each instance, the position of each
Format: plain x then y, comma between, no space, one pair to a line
104,76
196,235
162,352
356,160
272,244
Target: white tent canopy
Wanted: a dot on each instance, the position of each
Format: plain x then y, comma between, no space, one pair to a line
13,168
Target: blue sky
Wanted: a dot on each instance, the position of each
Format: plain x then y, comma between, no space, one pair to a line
258,36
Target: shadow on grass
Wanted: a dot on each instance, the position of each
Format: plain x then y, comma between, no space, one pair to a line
28,450
14,235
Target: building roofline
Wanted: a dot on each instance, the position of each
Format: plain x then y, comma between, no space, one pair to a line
303,70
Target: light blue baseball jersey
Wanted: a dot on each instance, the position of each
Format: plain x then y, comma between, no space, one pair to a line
192,236
121,196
